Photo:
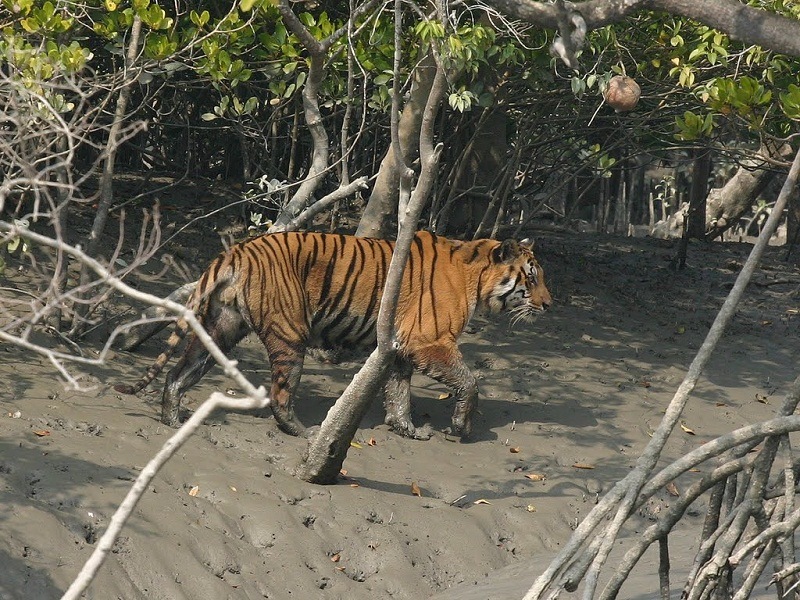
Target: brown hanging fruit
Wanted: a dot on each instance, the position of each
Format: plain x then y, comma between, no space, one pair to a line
622,93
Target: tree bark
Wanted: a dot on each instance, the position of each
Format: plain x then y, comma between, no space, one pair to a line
747,24
382,205
698,193
793,221
727,204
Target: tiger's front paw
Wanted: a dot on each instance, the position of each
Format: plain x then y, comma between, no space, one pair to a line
404,426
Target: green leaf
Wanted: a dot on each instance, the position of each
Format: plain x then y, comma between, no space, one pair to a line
250,105
790,102
307,19
199,19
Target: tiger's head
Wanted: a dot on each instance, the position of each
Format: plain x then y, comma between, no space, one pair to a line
517,283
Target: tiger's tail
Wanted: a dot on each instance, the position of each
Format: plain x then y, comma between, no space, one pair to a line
198,300
178,334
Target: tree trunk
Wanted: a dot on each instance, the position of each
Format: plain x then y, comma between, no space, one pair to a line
483,172
61,223
698,193
320,153
327,451
695,224
727,204
793,221
382,205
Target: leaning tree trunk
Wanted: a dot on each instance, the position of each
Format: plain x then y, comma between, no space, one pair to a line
382,205
327,450
726,205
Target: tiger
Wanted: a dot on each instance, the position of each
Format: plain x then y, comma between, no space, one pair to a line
306,290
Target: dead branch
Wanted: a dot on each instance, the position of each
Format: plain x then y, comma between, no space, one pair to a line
668,520
108,278
106,179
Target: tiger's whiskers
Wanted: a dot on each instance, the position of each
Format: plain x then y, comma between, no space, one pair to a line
521,313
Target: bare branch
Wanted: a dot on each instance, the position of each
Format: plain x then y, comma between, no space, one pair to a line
742,22
320,205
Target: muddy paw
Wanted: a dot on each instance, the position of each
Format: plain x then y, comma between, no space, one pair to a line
423,433
288,424
461,426
400,425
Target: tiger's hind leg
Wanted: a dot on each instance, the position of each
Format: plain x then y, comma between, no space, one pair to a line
445,364
195,363
286,363
226,328
397,401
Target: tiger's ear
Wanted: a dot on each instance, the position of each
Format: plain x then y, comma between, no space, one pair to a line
507,251
527,243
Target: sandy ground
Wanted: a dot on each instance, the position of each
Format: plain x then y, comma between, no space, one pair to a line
584,384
